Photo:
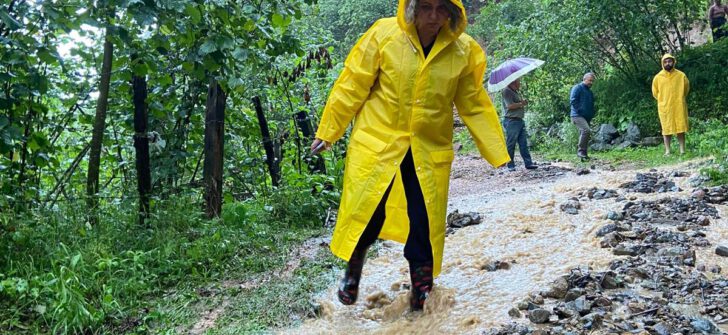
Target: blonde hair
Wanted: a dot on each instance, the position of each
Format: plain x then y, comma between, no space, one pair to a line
410,12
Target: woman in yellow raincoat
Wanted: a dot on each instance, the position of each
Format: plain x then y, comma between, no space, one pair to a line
670,88
399,83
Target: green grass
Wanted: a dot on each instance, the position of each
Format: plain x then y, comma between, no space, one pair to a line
60,275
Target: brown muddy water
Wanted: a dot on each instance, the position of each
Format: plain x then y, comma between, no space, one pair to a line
523,225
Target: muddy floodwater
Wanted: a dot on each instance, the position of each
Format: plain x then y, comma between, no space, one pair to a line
524,226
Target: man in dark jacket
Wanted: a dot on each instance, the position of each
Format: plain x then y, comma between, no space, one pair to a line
582,112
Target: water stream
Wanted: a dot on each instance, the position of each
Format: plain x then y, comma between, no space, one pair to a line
522,224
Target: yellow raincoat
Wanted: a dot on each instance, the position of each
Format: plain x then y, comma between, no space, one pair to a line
671,91
402,100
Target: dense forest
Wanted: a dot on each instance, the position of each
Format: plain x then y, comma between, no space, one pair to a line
150,147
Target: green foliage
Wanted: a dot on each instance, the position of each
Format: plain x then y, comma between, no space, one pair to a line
348,20
80,278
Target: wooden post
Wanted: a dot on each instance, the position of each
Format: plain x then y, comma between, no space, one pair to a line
267,143
214,149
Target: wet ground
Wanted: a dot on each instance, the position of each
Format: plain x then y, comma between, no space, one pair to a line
539,226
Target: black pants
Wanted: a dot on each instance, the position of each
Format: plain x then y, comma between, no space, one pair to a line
717,26
418,249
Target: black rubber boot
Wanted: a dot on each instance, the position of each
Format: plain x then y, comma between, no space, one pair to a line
421,275
349,287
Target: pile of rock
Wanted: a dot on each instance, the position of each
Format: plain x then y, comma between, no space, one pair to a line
651,183
457,220
713,195
598,193
659,288
571,206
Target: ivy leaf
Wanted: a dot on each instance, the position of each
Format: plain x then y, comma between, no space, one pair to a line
193,13
208,47
278,21
9,21
48,57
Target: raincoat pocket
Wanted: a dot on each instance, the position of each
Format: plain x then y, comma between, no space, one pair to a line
441,157
369,141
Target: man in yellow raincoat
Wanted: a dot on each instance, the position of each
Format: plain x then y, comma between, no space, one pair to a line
399,83
670,88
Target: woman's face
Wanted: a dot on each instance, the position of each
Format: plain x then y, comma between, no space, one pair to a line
431,15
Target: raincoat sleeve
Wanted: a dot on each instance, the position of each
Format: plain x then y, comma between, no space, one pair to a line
361,69
687,85
655,89
477,111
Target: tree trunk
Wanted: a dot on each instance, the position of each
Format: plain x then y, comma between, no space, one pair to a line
92,182
270,156
141,144
214,149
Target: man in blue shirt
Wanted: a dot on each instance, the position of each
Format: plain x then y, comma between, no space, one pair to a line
582,112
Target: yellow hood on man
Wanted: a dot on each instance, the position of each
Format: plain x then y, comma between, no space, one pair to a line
402,101
670,89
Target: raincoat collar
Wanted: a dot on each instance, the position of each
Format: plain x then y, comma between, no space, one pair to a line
444,38
662,62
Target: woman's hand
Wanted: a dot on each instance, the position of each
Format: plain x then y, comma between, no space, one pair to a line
319,145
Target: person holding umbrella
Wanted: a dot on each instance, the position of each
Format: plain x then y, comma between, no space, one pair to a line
400,82
514,109
506,78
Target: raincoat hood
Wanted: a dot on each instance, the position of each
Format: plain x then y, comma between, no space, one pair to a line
666,56
412,30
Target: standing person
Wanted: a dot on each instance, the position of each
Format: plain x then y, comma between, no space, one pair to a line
670,88
582,112
400,82
717,17
514,111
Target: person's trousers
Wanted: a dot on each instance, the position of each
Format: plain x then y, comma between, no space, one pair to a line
516,134
584,133
418,249
717,26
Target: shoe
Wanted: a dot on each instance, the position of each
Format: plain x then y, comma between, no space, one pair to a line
511,168
532,167
421,276
349,287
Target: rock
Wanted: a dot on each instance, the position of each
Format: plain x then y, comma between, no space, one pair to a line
627,250
610,240
698,179
602,302
703,326
514,313
721,251
662,328
632,133
698,194
606,229
582,306
581,172
606,134
539,315
610,281
573,294
651,141
571,206
715,269
523,305
537,299
458,220
558,289
614,216
592,320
